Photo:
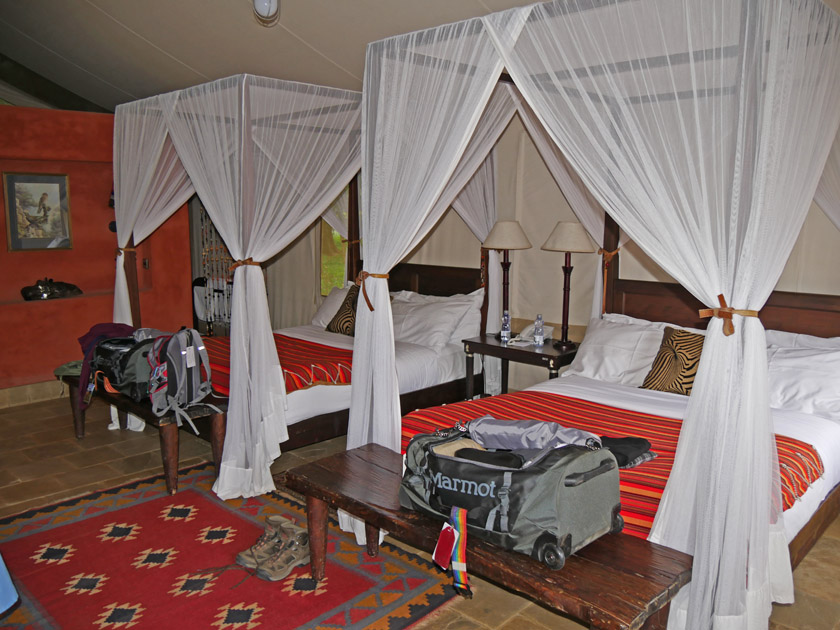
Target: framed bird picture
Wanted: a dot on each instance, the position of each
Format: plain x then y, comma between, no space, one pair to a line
37,211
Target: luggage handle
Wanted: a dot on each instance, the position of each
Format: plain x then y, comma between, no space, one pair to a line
576,479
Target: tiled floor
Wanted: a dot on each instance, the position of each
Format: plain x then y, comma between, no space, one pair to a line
42,462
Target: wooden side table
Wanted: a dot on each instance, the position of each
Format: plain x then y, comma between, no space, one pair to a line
488,345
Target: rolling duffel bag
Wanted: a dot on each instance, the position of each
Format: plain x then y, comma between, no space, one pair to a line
526,485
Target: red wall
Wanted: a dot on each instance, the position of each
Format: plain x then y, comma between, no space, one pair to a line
41,335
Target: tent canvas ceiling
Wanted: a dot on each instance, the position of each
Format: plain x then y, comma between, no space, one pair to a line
111,52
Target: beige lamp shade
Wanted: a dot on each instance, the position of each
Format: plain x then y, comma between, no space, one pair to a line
568,236
507,235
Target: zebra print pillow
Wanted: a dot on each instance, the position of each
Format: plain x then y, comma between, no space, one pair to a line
344,321
675,365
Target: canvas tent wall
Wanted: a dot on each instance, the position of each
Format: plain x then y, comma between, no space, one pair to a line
266,157
701,127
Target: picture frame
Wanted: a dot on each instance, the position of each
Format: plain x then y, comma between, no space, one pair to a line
37,211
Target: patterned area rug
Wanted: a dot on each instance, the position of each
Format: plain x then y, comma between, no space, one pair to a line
135,557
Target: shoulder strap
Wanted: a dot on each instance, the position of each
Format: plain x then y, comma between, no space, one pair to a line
205,386
157,363
176,350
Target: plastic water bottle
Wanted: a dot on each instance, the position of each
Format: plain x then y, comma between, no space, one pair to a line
539,331
505,333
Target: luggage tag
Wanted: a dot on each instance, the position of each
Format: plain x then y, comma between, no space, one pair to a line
190,350
90,387
446,543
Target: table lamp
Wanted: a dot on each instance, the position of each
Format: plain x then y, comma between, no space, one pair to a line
504,236
567,237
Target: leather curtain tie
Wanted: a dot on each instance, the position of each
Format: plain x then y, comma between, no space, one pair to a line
360,281
353,242
120,250
725,313
608,256
239,263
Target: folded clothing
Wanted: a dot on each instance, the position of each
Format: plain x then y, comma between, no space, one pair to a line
626,449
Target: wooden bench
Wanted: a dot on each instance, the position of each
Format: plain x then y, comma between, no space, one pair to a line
166,425
616,582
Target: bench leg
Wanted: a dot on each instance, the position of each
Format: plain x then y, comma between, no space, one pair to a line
371,540
218,427
169,452
78,413
316,523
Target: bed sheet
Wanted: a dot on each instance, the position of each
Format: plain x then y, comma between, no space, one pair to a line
418,367
822,434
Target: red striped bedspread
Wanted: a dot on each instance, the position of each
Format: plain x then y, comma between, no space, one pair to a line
304,363
641,487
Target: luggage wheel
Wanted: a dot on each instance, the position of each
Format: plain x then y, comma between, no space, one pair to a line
549,552
617,520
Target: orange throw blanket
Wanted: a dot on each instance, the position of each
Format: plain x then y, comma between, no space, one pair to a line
641,487
304,363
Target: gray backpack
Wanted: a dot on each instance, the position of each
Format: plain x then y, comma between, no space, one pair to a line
180,374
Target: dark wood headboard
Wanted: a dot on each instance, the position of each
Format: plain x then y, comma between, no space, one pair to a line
810,313
433,279
426,279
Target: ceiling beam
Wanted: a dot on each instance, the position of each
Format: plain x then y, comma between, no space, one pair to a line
43,89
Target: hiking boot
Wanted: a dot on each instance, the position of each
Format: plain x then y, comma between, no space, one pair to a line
276,535
280,524
294,553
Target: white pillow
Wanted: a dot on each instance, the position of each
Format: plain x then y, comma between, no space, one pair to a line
805,379
797,340
329,307
428,324
412,296
620,318
407,296
468,324
616,352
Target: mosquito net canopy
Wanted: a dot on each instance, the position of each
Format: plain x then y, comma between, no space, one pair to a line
703,129
266,157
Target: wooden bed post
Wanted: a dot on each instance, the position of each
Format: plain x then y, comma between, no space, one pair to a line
130,264
611,230
353,246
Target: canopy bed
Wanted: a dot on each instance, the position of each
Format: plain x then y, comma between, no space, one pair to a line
702,129
808,445
578,399
266,157
318,370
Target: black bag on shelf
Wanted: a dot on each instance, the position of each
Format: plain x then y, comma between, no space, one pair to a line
49,289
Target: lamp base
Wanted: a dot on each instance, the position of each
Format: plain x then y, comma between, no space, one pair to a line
565,346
